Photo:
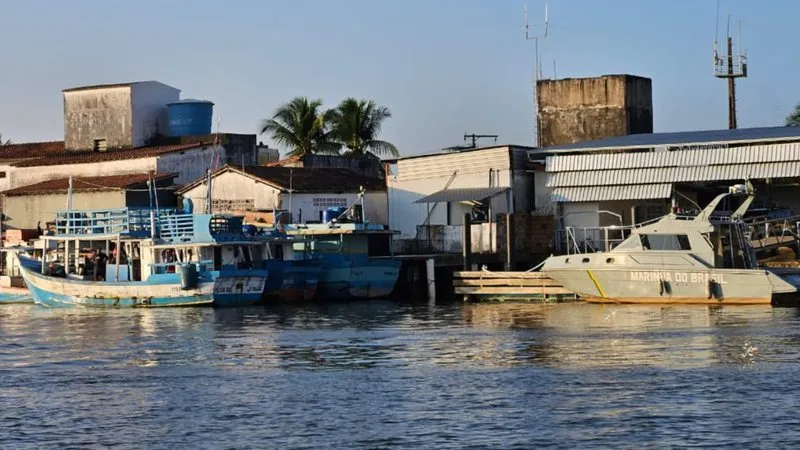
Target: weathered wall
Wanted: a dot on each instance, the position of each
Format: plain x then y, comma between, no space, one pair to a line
149,110
579,109
305,208
98,114
23,176
190,164
29,210
532,238
232,186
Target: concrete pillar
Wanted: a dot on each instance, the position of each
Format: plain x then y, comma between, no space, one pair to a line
430,272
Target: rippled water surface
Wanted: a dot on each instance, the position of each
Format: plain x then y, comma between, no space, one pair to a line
385,375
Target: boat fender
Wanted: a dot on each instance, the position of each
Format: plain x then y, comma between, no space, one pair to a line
661,287
713,289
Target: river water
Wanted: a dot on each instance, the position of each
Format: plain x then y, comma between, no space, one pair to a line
389,375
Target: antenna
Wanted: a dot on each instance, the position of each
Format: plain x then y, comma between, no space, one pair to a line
537,70
730,66
474,138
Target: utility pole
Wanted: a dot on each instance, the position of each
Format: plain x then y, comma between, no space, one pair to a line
731,67
537,72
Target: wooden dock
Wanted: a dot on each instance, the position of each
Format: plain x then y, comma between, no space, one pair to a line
520,286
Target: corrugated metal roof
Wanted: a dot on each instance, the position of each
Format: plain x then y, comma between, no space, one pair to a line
673,174
462,195
677,158
685,138
608,193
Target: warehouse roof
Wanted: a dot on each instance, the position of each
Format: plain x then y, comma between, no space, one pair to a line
685,139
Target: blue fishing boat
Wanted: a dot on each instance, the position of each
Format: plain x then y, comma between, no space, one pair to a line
356,256
146,258
12,286
294,273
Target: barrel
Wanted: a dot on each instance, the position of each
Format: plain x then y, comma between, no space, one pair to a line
188,274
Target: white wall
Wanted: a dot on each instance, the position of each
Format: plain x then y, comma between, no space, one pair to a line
304,209
149,110
581,214
5,181
417,177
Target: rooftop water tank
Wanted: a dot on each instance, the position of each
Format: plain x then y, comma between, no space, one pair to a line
190,117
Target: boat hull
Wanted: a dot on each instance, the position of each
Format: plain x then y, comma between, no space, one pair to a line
667,286
15,295
158,291
292,280
358,278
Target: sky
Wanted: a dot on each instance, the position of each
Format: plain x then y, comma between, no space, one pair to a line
443,67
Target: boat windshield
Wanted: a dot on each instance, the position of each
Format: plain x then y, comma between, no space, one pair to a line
665,242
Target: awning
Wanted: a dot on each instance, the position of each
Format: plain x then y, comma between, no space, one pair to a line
462,195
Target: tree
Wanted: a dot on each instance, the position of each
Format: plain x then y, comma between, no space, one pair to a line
793,119
357,125
6,142
302,127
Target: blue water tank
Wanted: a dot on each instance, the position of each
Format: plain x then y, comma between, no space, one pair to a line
189,117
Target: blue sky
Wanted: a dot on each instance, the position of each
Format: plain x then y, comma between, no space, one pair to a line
444,67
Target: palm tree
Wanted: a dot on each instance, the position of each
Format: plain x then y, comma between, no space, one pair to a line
793,119
357,124
6,142
301,126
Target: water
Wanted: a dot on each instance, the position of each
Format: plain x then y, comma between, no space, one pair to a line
384,375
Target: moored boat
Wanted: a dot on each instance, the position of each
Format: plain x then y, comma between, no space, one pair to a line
677,259
146,258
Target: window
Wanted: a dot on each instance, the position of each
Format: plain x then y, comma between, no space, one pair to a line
665,242
2,174
329,202
100,145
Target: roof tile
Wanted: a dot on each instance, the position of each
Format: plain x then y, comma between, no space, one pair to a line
87,184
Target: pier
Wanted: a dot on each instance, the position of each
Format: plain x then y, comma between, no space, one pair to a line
519,286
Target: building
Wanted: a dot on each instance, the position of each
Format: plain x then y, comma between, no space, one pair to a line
304,192
438,189
116,116
33,206
635,178
581,109
368,166
127,128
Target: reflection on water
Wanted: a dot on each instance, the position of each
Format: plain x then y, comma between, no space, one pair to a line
380,374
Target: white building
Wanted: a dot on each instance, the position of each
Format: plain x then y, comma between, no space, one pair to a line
306,193
635,178
438,189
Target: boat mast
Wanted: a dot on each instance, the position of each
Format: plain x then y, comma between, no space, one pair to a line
208,192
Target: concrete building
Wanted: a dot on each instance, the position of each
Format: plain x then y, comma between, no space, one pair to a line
438,189
368,166
580,109
116,116
35,205
635,178
304,192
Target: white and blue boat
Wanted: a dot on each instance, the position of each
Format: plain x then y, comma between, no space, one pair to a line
156,258
294,273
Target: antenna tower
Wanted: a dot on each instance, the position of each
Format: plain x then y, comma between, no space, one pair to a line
730,66
474,138
537,70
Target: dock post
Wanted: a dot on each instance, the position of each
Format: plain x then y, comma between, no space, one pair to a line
466,242
509,244
430,272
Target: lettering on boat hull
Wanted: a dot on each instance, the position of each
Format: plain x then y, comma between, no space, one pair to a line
678,277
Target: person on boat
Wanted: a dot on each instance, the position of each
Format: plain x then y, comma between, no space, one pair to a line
57,270
99,266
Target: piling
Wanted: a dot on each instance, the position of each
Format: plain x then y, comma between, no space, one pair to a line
466,247
430,271
509,244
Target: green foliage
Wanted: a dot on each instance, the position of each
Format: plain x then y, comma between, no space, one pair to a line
793,119
303,127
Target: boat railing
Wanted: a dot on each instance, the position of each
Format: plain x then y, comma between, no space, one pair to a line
167,224
171,267
575,240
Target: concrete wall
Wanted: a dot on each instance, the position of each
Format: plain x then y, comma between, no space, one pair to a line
304,208
149,110
29,210
190,164
579,109
98,114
